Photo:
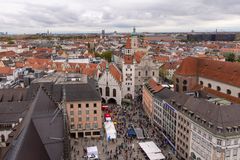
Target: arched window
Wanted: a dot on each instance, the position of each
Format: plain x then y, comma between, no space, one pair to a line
100,89
114,93
185,82
201,82
177,80
2,138
209,85
146,73
229,91
107,91
153,73
139,73
218,88
177,88
184,88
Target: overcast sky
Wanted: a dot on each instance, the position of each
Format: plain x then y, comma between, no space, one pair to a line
57,16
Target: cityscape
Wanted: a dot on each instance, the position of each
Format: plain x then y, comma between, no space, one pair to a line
119,80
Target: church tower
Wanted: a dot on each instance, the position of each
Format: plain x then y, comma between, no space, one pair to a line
128,47
134,39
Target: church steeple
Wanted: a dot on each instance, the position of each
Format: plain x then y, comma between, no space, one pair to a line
134,29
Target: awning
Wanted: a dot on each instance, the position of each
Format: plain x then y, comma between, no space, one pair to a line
107,115
151,150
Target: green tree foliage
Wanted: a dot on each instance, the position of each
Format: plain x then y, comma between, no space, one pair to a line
229,57
105,55
11,42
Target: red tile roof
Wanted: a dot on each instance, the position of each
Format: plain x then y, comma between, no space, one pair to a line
37,63
222,95
115,72
8,54
226,72
128,59
155,87
6,71
138,56
170,65
161,58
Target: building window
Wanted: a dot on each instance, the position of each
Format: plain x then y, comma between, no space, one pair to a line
139,74
79,125
72,119
79,112
153,73
95,118
100,89
72,126
235,152
114,93
229,91
238,95
218,88
79,118
79,105
2,138
177,88
95,125
87,125
177,80
146,73
201,82
87,118
87,105
95,111
71,113
128,88
107,91
209,85
235,141
95,105
184,88
185,82
228,142
219,142
227,153
87,111
71,105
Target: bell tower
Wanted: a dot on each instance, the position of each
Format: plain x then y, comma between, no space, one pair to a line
134,39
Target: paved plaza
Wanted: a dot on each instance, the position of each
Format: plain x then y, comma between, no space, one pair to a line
123,148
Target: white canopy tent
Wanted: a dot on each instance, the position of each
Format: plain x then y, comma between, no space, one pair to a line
92,152
151,150
111,132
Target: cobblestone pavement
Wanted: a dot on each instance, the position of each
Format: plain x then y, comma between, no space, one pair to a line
123,148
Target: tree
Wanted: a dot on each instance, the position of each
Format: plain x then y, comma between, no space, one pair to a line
229,57
107,56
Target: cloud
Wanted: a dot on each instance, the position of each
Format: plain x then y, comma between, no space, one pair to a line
27,16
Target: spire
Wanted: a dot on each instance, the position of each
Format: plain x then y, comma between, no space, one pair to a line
134,29
107,67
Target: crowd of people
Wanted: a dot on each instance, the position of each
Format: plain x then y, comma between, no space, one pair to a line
123,147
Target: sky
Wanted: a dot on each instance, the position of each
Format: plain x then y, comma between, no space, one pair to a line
78,16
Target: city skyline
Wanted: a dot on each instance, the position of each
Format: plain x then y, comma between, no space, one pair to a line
92,16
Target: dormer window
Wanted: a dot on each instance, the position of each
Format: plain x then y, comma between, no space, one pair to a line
210,125
219,129
203,121
190,113
229,129
235,128
229,91
209,85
